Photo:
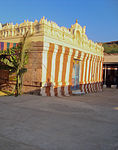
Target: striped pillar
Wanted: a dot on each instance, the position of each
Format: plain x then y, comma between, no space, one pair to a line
94,81
49,70
89,72
53,64
44,62
79,58
88,66
100,74
101,71
80,73
65,60
82,68
44,67
49,61
86,69
61,67
71,67
92,73
62,50
94,69
86,73
68,67
57,65
68,72
52,92
98,69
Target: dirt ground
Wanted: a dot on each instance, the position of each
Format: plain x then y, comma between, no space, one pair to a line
87,122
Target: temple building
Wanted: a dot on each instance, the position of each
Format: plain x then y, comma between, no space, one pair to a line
61,60
110,70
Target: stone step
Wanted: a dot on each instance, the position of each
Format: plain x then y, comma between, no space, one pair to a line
77,92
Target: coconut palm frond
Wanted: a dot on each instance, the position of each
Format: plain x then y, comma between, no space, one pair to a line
16,58
7,62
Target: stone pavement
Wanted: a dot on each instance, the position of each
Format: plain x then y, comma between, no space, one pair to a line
87,122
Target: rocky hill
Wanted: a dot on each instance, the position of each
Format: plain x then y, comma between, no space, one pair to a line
111,47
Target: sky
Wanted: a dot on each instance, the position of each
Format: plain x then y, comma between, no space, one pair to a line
99,16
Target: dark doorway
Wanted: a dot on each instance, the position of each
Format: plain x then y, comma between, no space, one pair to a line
75,75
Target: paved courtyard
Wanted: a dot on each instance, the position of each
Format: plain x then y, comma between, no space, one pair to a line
87,122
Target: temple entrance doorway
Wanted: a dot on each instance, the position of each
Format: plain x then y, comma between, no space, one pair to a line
75,75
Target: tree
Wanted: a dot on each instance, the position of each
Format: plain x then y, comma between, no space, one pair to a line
15,60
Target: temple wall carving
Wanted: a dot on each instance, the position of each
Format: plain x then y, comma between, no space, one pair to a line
75,36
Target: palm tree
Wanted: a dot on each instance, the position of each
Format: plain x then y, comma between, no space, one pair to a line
15,60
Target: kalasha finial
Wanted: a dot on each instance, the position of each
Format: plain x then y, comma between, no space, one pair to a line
76,21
